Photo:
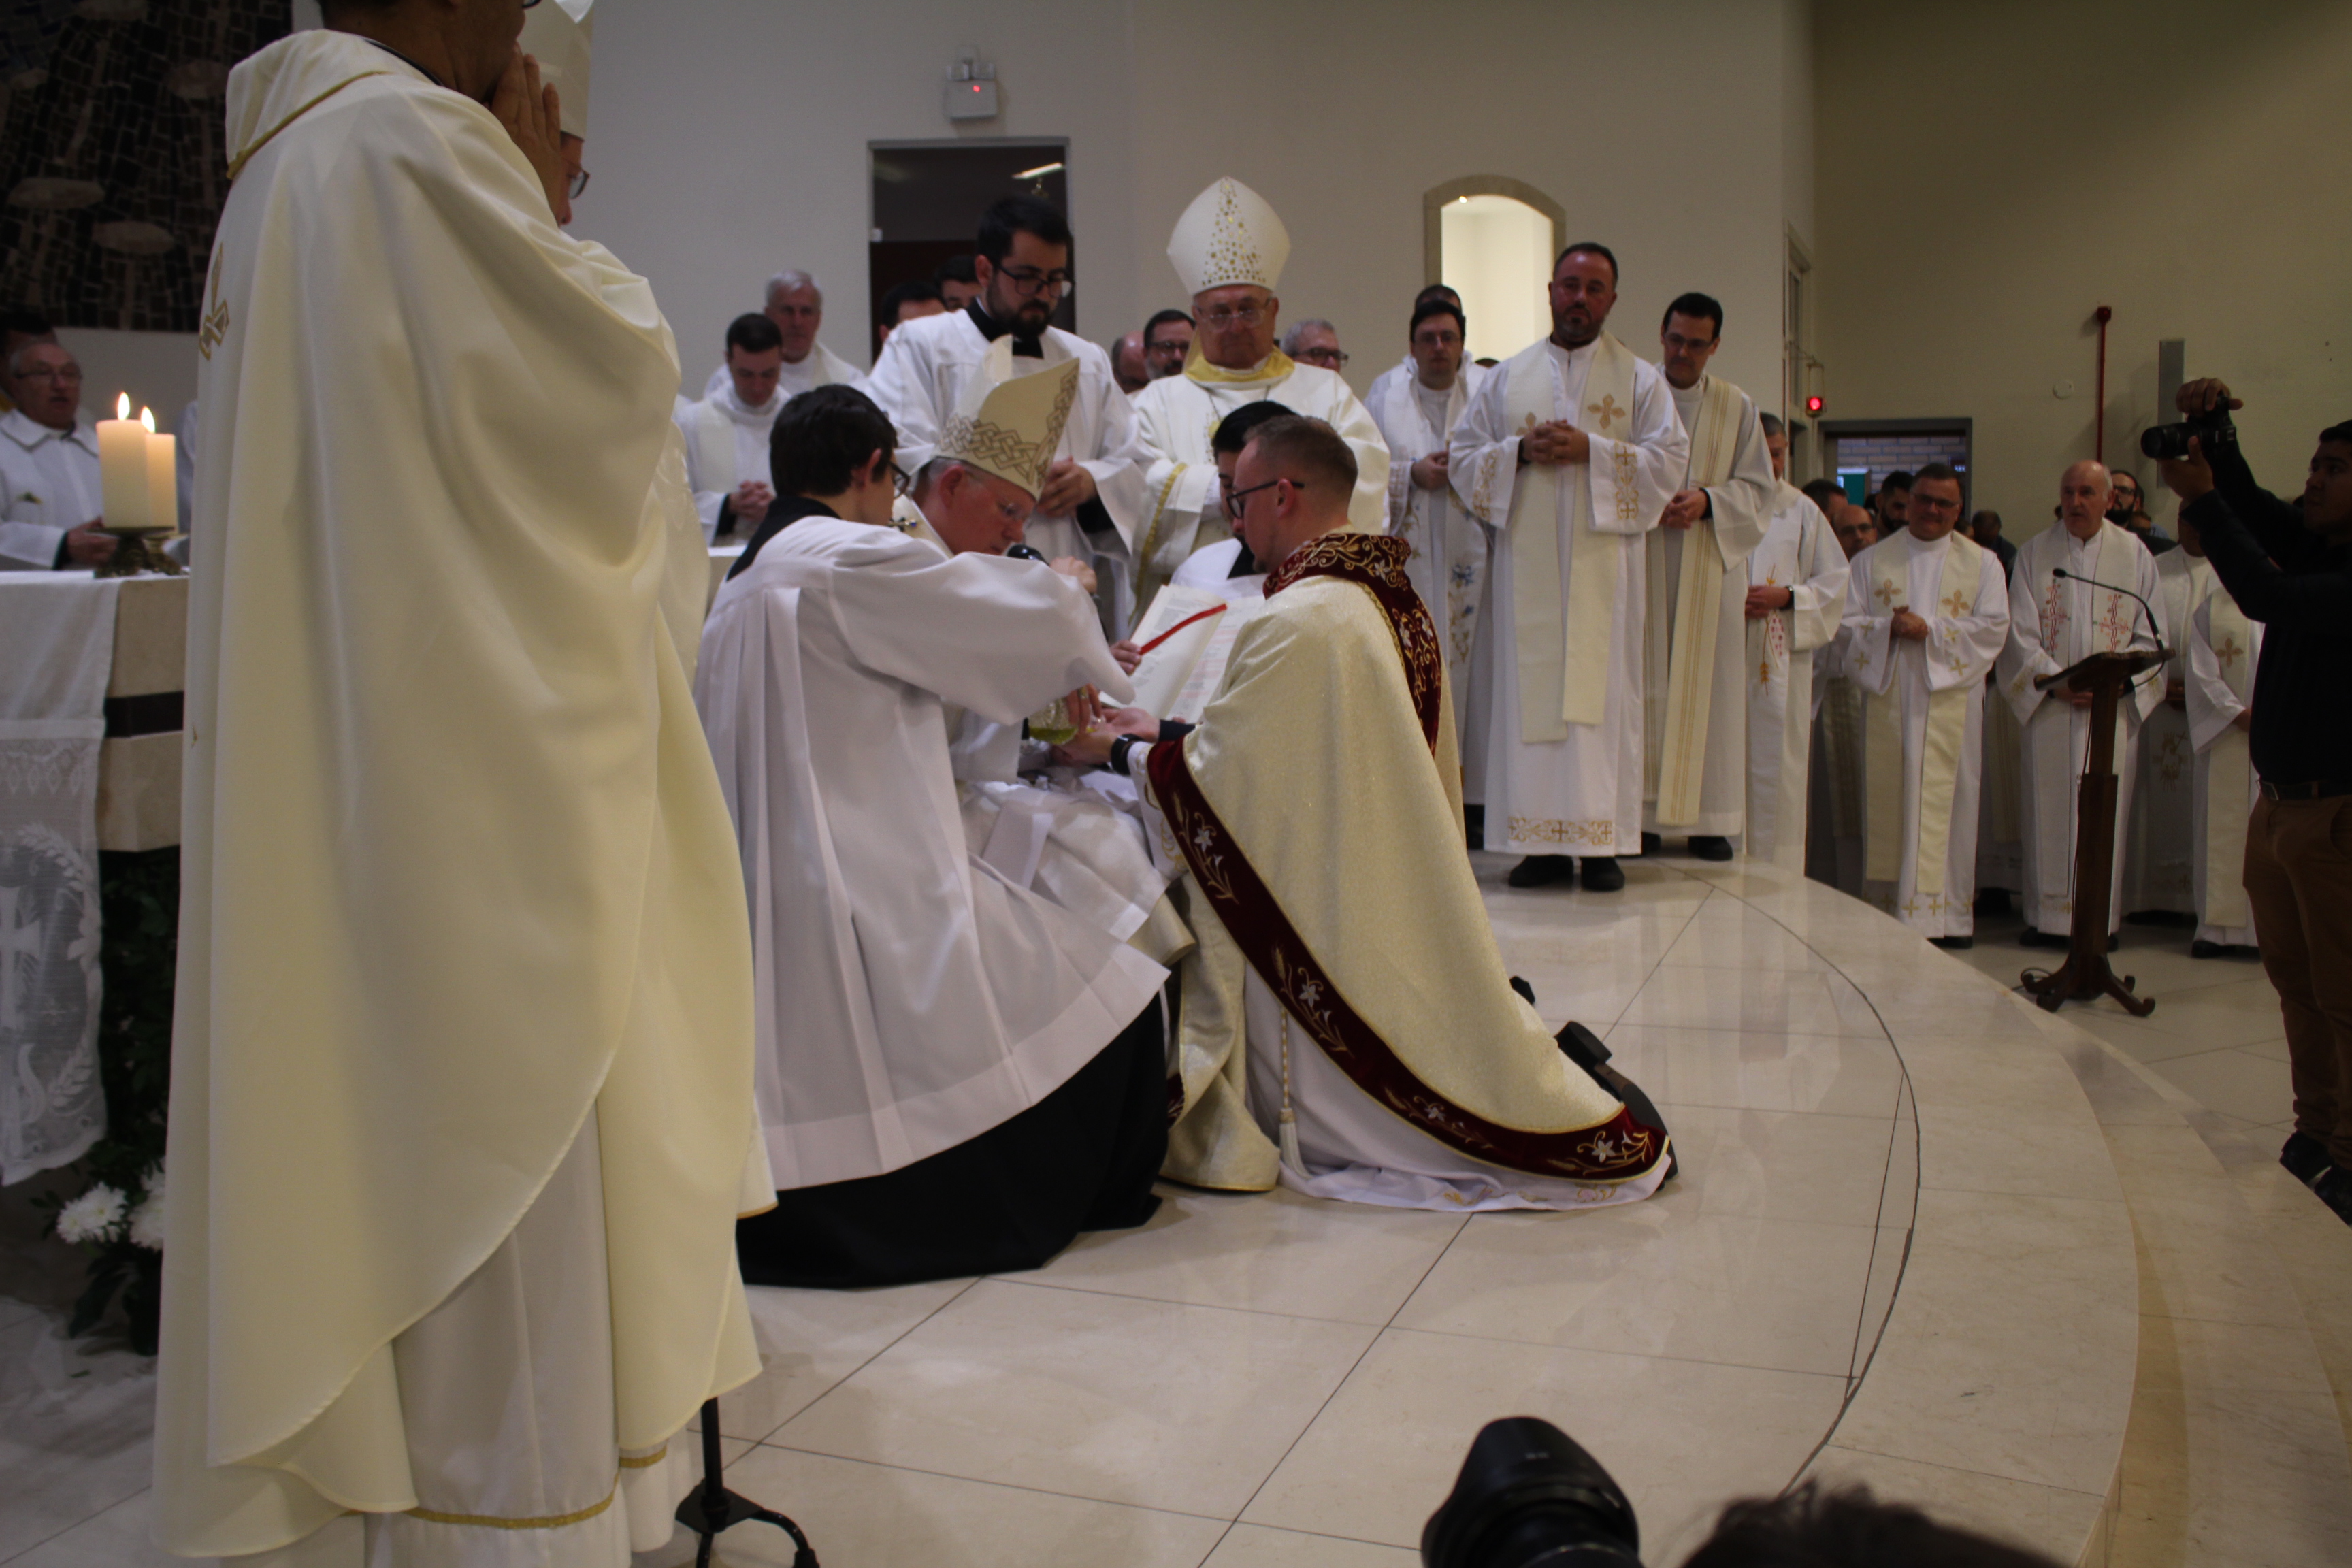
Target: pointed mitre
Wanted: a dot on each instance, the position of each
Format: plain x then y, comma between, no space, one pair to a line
1010,425
1228,235
557,36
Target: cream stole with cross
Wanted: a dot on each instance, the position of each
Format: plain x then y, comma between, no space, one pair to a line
2228,769
1563,648
1947,724
1686,670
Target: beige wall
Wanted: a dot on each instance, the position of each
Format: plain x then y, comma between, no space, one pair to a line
1990,174
730,139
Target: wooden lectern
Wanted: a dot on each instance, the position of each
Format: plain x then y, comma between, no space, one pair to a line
2086,972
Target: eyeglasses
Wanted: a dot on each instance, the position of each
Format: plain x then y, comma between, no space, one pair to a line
579,186
1330,359
902,483
1027,281
1224,316
1235,499
70,375
1933,503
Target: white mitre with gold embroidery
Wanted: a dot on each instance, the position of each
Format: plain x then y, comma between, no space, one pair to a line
1228,235
557,36
1010,425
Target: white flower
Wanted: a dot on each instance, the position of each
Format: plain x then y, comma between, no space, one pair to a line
96,1216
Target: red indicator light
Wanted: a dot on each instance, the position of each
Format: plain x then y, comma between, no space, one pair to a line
1814,404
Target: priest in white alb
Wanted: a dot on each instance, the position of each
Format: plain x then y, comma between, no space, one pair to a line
1796,598
1571,449
1091,496
1926,614
462,1060
958,1074
2071,596
2158,874
1228,248
2224,645
1348,1028
796,304
1695,660
1450,548
1407,368
726,432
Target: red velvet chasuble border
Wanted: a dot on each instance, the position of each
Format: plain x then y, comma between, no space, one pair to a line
1618,1150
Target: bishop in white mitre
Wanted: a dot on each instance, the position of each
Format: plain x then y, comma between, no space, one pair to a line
1090,497
1571,449
958,1073
2054,622
1228,249
1926,614
1451,549
1695,659
2224,647
1795,598
460,1110
726,432
2159,873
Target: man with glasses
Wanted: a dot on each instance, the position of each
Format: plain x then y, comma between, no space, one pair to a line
2053,623
1090,502
1228,249
1167,339
1403,370
2128,509
1315,341
20,328
1925,615
49,496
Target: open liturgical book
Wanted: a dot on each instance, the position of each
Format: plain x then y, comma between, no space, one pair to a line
1189,635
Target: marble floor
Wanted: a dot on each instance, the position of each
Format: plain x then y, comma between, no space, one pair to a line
1270,1382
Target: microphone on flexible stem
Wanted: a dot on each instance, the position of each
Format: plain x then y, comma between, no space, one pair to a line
1022,553
2162,651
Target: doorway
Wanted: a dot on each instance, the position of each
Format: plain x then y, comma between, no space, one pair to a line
927,198
1492,240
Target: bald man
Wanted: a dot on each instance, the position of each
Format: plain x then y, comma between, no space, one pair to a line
2054,622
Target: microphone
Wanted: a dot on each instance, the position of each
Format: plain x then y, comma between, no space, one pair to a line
1022,553
2162,651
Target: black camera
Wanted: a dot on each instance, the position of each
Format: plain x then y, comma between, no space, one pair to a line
2167,443
1529,1494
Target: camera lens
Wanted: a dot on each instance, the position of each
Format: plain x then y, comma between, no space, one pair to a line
1529,1494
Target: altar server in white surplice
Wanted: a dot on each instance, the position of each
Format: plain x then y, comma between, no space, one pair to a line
1451,549
462,1053
1926,614
1796,598
1571,449
2052,622
959,1074
726,432
1228,248
1090,497
1695,660
2224,647
2158,844
796,304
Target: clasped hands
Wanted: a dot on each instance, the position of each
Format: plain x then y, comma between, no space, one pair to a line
1556,441
750,501
1770,596
1429,473
533,116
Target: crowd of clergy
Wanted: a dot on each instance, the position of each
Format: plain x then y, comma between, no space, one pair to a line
568,939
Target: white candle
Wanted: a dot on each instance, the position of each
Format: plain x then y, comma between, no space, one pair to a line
163,478
122,469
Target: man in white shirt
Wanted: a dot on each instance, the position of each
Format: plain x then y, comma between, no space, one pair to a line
796,305
49,497
726,432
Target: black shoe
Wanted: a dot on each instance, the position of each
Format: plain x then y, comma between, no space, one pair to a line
2030,937
1711,847
2334,1188
1474,824
1952,944
1652,844
1993,902
2201,948
1541,871
1601,874
2304,1157
1527,993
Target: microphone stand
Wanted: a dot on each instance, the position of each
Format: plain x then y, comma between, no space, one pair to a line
2146,608
710,1508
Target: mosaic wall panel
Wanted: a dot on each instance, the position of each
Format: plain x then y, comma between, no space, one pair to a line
110,153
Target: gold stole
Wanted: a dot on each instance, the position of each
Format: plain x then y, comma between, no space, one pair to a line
2228,771
1947,724
714,445
1563,649
1677,745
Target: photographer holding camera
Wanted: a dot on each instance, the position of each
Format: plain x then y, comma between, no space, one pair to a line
2289,565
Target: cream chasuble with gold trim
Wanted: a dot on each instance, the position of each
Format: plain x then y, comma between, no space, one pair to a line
1564,750
2224,647
1923,718
1695,659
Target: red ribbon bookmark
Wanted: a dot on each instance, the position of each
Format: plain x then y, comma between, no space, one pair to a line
1179,625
